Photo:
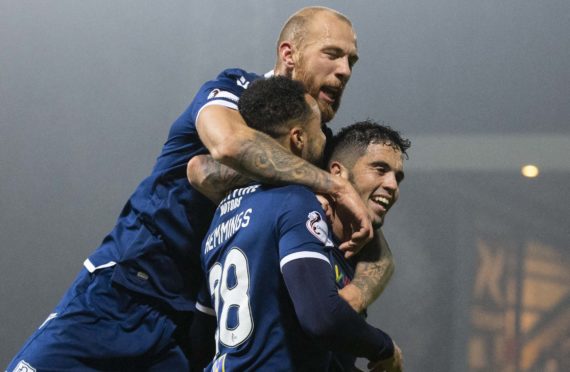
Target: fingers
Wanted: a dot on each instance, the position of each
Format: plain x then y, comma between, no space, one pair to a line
355,220
348,246
358,239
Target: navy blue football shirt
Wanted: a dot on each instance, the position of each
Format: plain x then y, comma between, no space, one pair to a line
155,242
256,231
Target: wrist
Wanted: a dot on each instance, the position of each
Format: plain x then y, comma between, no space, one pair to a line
353,296
339,187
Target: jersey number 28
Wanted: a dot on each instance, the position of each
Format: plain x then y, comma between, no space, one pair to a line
229,284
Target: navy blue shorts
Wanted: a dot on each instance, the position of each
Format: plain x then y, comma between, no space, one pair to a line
98,326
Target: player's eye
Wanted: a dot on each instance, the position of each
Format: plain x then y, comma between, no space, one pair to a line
381,169
399,177
352,61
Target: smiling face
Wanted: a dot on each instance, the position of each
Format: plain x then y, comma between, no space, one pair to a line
376,176
324,60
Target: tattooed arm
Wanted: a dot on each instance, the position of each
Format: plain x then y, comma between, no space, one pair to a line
374,268
257,156
212,179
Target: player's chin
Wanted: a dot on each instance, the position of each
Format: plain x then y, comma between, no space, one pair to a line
327,111
376,221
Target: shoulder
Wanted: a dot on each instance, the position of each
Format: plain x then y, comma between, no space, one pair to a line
280,197
295,194
287,203
236,77
299,203
236,73
226,88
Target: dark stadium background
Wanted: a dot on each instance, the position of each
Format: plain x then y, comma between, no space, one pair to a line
88,90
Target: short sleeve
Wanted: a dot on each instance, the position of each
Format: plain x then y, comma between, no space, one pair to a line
204,301
225,90
302,227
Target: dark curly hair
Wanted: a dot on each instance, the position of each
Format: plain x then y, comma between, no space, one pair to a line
269,104
351,142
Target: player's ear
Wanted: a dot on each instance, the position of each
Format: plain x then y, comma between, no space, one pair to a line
287,55
337,169
297,138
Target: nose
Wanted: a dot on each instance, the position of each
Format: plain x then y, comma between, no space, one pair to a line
390,183
343,70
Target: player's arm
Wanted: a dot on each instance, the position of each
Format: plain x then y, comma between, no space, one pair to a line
324,316
257,156
374,269
212,179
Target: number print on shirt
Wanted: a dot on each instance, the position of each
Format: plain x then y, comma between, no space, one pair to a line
229,285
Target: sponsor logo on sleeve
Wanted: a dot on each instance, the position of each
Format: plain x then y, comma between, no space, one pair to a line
213,93
23,366
317,226
223,95
242,82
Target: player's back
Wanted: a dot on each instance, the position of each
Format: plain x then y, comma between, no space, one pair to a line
256,229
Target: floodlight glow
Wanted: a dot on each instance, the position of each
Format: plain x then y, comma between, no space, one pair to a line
530,171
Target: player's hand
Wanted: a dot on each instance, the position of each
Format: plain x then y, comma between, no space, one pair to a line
350,208
393,364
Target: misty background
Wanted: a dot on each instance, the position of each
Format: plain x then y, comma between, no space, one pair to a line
88,91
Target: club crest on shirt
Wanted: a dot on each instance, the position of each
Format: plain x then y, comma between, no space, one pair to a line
23,366
317,226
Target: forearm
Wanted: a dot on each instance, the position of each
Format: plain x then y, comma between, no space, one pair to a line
257,155
212,179
262,158
374,269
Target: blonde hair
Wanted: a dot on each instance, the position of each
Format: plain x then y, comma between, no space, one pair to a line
295,27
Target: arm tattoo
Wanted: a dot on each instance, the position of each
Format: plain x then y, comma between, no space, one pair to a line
222,176
263,160
374,269
212,179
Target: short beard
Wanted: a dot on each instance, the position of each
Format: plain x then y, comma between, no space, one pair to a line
327,111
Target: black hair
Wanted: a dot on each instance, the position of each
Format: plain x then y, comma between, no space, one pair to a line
269,104
352,141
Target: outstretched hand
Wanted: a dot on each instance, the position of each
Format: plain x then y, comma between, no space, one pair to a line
351,210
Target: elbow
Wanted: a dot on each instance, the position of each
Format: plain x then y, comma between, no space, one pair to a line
228,151
195,171
221,153
232,147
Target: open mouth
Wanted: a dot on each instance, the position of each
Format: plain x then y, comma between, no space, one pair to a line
330,93
381,201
